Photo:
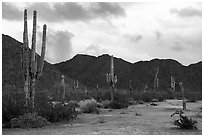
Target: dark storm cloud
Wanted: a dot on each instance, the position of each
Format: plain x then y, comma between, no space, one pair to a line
187,12
71,11
59,46
10,12
106,9
66,11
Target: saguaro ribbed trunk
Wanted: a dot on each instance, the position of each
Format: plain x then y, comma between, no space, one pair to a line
29,61
111,78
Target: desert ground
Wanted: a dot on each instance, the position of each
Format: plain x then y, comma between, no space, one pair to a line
142,119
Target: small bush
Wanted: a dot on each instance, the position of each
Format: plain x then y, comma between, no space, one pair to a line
160,98
154,100
90,106
147,96
105,103
153,104
12,106
140,102
120,101
137,114
184,122
131,102
117,105
58,111
29,120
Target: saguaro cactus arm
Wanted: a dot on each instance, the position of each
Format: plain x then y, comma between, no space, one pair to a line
40,69
173,83
183,96
25,60
111,78
112,68
33,47
156,80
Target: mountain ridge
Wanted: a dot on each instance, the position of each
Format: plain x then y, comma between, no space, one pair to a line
91,70
140,72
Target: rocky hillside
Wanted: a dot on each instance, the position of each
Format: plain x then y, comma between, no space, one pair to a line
92,70
12,75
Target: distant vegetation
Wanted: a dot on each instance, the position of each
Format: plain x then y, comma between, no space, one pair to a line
91,71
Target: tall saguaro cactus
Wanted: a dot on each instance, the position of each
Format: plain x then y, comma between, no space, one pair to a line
182,89
111,78
97,92
145,87
29,60
173,83
130,88
85,92
156,79
75,86
63,86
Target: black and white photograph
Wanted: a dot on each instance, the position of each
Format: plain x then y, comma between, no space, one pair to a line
102,68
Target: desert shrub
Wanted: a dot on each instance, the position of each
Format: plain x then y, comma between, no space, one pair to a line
105,95
120,101
140,102
90,106
12,105
147,96
28,120
58,111
131,101
192,97
105,103
160,98
117,105
184,122
138,114
154,100
153,104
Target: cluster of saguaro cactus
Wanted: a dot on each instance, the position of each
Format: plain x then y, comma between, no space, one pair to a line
156,79
29,60
182,89
173,83
111,79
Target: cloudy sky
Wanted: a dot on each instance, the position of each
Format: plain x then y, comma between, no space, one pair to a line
132,31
